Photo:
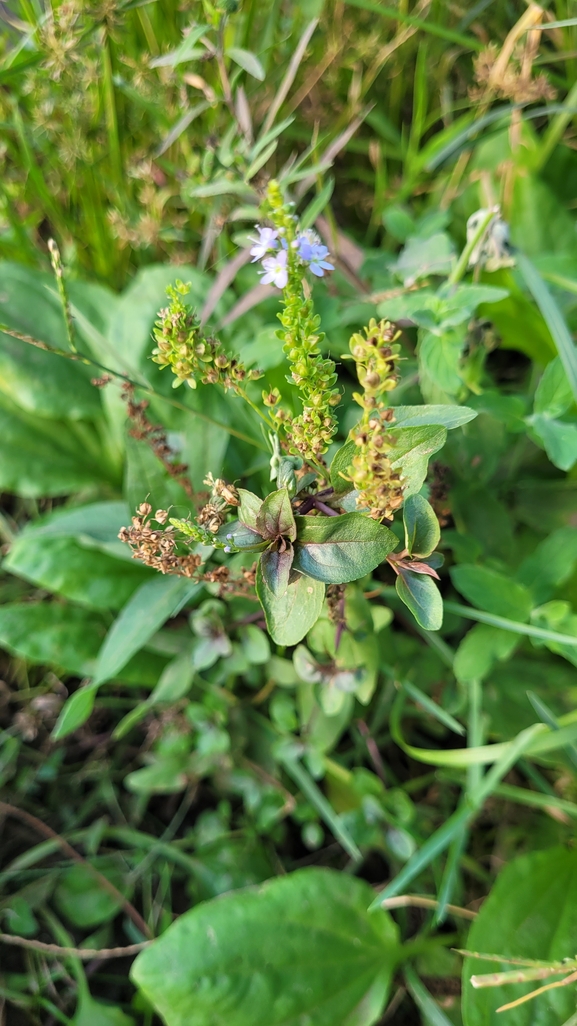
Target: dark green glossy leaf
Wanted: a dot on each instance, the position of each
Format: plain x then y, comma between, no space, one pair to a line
422,531
275,517
249,509
340,549
423,598
239,536
300,948
290,616
275,568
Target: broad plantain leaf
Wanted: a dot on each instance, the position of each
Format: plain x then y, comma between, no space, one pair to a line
528,914
298,949
290,616
340,549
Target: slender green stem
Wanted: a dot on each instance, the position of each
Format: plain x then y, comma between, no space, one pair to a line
542,633
460,267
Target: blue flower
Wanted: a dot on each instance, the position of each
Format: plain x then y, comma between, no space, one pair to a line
312,252
266,243
318,262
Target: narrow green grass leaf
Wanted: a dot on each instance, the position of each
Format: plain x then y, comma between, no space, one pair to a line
542,633
553,317
394,14
303,779
432,1014
435,710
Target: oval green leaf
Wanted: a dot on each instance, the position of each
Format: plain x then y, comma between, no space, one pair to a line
422,531
340,549
290,616
421,595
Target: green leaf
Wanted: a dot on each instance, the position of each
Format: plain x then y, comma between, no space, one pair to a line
99,521
145,477
144,614
317,205
67,638
481,647
559,439
82,897
421,416
550,564
340,465
528,914
47,458
76,710
461,305
340,549
247,61
300,948
422,531
45,384
413,448
187,51
238,535
422,257
553,396
439,361
275,517
290,616
249,509
421,595
487,589
275,569
554,319
65,566
95,1013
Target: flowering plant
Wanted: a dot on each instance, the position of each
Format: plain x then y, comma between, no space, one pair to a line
325,524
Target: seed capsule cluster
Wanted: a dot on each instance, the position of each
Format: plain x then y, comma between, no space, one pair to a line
192,357
376,357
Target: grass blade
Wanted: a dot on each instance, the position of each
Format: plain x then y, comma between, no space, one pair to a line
435,710
553,318
302,779
542,633
432,1014
394,14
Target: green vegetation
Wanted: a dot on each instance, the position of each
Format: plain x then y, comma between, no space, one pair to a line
288,591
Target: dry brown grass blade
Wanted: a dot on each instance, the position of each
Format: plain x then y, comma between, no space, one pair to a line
83,953
290,76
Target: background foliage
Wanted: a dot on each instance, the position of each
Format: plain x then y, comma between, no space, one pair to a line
213,759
